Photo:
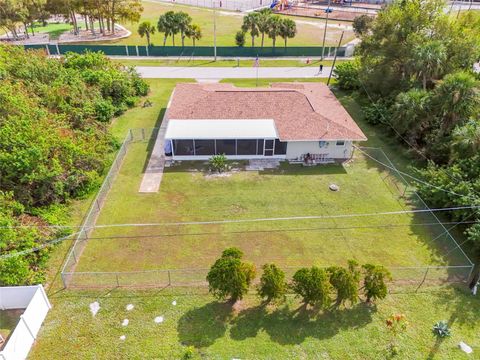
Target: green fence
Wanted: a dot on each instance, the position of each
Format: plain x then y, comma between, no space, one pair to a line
190,51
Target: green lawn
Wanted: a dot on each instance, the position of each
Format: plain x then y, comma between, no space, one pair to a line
187,193
225,63
310,31
252,331
8,321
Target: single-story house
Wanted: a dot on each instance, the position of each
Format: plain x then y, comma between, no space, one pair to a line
292,121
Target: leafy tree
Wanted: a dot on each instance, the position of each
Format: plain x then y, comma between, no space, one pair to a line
274,28
263,22
347,75
362,25
146,29
410,113
229,276
288,30
194,32
240,38
374,282
313,286
250,24
345,282
272,283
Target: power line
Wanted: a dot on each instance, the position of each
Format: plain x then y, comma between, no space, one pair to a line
69,237
311,217
415,178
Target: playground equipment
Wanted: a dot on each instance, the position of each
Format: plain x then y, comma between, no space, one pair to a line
280,5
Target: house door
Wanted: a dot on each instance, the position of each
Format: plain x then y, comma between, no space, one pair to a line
268,149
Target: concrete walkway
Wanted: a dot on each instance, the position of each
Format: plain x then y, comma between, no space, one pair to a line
152,178
191,72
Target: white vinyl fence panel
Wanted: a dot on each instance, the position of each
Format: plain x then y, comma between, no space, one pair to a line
35,302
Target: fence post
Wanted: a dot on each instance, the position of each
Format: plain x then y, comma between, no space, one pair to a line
58,49
64,282
74,254
126,50
143,134
48,50
118,282
146,50
136,48
98,205
169,279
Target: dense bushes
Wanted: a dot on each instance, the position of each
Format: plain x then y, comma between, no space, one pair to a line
54,143
415,72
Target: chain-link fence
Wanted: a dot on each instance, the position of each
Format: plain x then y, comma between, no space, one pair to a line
134,135
235,5
451,265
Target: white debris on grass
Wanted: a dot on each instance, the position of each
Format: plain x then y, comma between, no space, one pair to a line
129,307
123,337
174,302
158,319
465,348
125,322
94,307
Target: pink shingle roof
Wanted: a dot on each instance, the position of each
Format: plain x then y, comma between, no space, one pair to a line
301,111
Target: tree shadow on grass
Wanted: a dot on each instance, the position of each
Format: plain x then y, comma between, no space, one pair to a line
200,327
287,326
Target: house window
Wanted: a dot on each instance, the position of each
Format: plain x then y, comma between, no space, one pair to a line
204,147
340,142
227,147
280,147
322,144
183,147
247,147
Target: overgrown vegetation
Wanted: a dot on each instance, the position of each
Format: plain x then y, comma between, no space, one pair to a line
54,144
415,70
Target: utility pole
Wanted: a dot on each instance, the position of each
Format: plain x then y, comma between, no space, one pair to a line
214,32
335,58
325,30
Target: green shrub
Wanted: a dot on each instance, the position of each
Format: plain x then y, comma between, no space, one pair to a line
218,163
347,75
441,329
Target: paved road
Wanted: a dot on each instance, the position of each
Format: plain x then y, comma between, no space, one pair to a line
213,73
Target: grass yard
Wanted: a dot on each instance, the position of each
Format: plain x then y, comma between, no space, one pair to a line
188,193
253,331
310,31
8,321
225,63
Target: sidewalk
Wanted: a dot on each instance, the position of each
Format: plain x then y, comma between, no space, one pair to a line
214,73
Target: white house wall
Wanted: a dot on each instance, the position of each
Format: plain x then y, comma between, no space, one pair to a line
295,149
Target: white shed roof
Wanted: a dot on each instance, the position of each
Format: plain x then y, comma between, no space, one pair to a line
221,129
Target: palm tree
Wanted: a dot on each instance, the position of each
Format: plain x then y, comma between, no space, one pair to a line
263,22
288,29
165,23
274,25
250,23
457,99
183,21
466,139
410,113
194,32
429,60
146,29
